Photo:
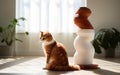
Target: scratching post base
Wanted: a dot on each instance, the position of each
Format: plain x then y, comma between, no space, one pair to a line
90,66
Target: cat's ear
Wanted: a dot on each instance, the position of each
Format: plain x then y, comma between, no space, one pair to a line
41,33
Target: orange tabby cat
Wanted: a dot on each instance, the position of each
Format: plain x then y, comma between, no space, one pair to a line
57,59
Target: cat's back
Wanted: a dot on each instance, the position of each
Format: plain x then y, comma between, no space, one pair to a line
59,54
61,47
59,50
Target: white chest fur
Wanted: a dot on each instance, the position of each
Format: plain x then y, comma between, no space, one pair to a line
45,43
48,42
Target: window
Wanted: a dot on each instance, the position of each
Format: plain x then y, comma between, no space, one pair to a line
53,15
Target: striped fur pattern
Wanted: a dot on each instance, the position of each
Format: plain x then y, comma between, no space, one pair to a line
56,56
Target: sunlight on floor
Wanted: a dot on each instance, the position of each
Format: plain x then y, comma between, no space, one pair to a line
35,65
3,61
108,65
26,66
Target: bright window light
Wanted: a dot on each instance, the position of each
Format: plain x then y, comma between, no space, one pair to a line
53,15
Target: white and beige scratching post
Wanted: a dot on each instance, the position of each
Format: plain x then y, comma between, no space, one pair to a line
84,54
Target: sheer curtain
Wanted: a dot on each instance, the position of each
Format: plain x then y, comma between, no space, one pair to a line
55,16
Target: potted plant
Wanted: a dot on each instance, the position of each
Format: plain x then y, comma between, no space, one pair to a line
107,39
7,37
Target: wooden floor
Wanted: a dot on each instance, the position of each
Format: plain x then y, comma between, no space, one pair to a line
34,65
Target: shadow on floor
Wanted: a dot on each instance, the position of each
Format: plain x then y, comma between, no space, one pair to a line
41,73
116,60
57,72
15,74
14,62
96,71
104,72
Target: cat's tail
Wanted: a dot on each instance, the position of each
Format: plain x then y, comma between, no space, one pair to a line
64,68
73,67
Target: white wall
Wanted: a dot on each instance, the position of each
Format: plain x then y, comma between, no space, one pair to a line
7,11
105,13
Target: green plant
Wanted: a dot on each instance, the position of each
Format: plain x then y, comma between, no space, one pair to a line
7,34
107,39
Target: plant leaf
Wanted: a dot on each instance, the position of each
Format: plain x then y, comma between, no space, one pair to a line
9,42
2,40
27,33
1,29
107,38
15,20
117,33
18,24
18,40
96,46
10,26
22,18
